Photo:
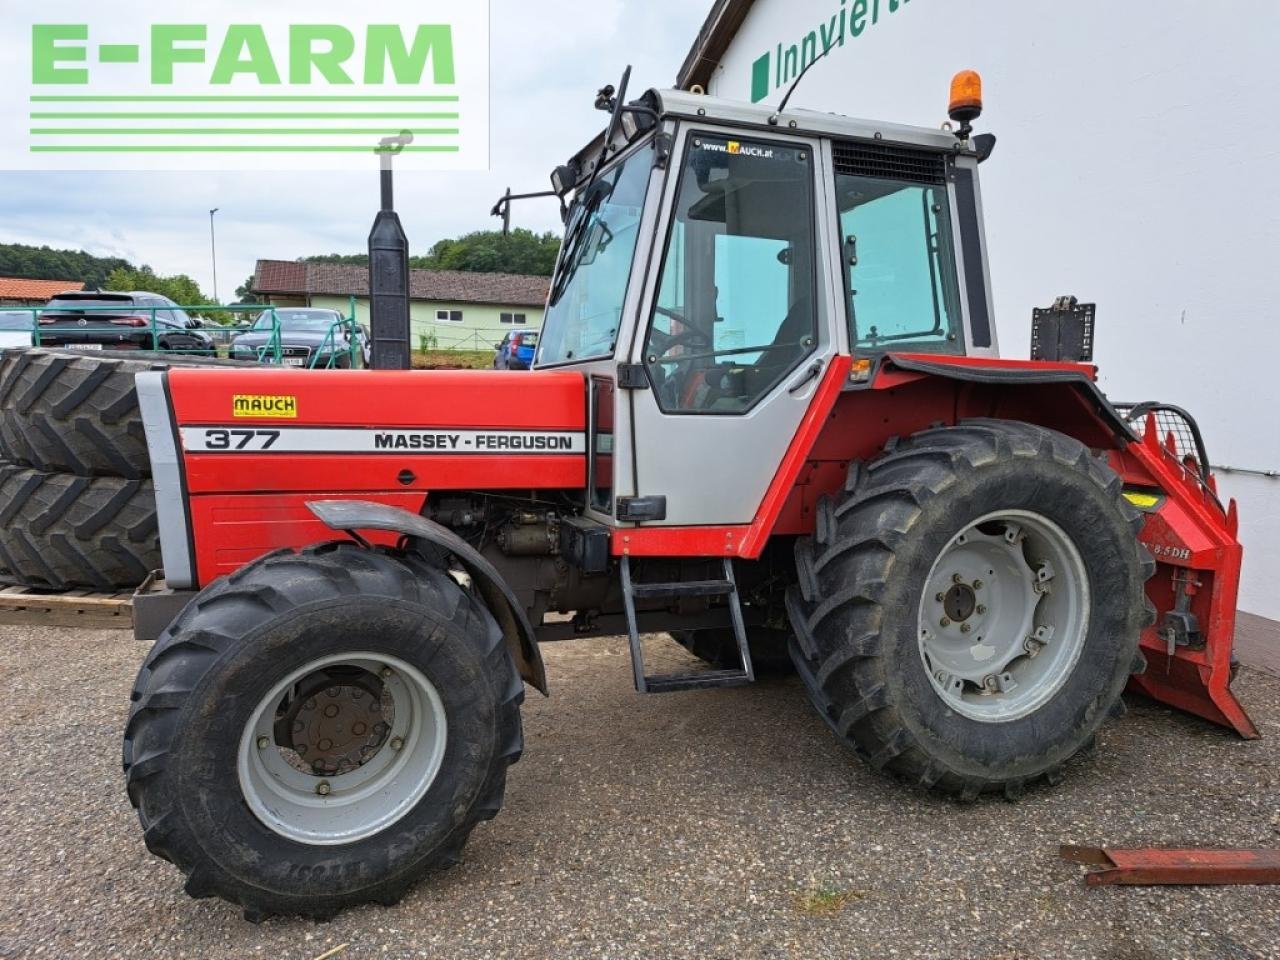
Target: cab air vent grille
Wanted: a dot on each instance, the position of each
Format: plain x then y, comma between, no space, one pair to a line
890,163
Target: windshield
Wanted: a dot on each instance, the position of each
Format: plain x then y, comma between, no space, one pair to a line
317,321
595,264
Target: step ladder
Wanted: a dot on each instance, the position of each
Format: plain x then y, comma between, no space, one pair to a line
727,587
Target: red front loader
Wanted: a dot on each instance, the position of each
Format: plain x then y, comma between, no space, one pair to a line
768,415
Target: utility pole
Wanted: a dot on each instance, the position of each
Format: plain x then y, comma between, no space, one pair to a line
506,213
213,247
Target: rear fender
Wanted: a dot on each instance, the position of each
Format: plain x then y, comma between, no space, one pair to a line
351,516
1189,533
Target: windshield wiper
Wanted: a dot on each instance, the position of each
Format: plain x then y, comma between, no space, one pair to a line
591,198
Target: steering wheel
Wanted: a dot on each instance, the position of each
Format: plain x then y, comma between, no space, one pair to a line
664,343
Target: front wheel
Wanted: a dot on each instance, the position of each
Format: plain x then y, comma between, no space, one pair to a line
969,610
321,730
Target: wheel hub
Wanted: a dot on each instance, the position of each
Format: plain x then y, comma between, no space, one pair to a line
960,602
336,722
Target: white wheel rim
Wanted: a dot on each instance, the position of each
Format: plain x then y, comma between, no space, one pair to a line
356,799
1004,616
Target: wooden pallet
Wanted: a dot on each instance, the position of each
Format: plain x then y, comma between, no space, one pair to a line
71,608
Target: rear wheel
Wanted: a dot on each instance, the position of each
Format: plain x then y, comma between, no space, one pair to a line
718,648
321,730
969,610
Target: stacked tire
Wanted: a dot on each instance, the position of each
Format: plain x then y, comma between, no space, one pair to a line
77,506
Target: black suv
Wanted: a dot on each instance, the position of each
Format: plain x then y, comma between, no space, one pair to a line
98,320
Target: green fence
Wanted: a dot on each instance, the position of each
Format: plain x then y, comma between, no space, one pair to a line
440,337
184,330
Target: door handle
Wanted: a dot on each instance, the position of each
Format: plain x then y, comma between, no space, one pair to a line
815,368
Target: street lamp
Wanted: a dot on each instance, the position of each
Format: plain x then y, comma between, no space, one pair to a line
213,246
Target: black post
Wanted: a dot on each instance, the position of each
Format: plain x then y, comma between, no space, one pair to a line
389,272
506,213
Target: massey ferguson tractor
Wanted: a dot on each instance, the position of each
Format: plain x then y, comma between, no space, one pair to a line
768,416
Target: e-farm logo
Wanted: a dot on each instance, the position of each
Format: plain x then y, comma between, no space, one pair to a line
775,70
312,87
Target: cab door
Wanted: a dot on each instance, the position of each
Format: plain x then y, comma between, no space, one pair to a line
741,321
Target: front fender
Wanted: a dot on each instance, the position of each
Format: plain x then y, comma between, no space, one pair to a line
352,515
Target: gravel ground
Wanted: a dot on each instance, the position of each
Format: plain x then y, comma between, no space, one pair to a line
720,824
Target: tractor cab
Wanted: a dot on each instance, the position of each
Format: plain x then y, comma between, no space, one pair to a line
718,256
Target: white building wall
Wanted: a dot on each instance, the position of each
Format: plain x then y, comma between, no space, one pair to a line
1138,166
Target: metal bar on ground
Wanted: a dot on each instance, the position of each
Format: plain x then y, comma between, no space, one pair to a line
1192,866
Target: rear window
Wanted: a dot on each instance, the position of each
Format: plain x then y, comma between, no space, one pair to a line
67,304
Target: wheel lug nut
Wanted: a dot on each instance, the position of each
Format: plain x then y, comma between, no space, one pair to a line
956,578
944,622
323,788
384,673
263,743
981,609
939,596
397,743
977,584
965,627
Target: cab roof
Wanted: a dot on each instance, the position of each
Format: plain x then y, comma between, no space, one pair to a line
759,118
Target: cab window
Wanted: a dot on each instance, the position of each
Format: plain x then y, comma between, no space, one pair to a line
736,306
900,258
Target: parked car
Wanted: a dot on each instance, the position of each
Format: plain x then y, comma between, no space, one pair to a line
98,320
516,350
15,328
304,333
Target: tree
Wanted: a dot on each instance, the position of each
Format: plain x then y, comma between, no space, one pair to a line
245,294
344,259
179,288
491,251
46,263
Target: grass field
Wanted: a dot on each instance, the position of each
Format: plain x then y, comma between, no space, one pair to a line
453,360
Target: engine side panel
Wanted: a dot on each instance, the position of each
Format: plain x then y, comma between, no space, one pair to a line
256,445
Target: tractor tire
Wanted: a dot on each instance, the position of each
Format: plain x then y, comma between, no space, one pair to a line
894,639
235,694
67,411
59,531
718,648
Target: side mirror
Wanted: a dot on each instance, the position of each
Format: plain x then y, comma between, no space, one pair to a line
497,346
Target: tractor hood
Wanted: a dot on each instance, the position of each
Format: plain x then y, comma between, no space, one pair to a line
250,448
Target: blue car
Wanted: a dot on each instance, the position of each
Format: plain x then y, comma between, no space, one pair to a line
516,350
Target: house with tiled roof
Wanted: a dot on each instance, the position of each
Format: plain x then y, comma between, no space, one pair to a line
448,309
21,292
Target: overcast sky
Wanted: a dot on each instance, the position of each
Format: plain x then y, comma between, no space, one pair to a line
549,57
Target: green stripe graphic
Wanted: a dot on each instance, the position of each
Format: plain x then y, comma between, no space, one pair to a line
228,148
240,99
242,116
231,131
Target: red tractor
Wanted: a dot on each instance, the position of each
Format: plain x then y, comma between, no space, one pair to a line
768,415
